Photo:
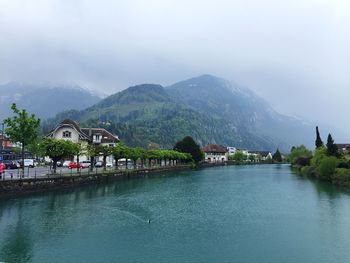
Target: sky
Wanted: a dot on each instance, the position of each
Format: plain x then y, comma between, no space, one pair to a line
293,53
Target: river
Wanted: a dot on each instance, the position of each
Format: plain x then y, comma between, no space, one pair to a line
240,214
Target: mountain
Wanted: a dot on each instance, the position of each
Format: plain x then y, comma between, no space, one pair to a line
210,109
44,101
247,112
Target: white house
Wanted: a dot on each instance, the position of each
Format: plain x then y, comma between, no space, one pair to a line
215,153
70,130
262,155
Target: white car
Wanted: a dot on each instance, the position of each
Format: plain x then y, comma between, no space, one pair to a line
85,164
109,164
66,163
29,163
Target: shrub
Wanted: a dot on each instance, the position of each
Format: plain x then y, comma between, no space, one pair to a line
341,176
308,171
319,154
327,167
300,155
343,164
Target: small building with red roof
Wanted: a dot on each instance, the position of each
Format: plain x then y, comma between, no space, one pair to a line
215,153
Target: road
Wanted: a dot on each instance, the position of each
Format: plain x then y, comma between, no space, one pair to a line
42,171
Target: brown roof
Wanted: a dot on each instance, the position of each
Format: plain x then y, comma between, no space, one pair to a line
87,133
107,137
214,148
342,146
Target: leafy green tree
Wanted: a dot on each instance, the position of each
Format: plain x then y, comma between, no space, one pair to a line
22,128
238,157
104,151
277,156
251,158
300,155
319,155
327,167
318,142
134,154
188,145
93,151
332,148
78,150
119,151
34,148
57,149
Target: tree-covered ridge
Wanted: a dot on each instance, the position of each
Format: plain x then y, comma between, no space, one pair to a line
209,109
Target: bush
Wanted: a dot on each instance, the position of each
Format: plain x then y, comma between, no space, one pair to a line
308,171
300,156
327,167
341,176
343,164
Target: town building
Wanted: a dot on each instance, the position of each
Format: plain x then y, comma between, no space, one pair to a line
261,155
215,153
70,130
231,150
343,148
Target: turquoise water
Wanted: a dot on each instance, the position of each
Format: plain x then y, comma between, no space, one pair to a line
226,214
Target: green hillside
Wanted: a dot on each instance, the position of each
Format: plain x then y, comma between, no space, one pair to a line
209,109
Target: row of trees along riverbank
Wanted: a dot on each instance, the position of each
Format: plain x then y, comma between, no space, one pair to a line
23,128
326,162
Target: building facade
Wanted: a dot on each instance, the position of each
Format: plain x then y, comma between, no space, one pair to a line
215,153
70,130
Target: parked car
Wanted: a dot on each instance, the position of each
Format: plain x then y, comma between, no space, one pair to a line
98,164
28,163
2,169
85,164
74,165
66,163
11,164
109,164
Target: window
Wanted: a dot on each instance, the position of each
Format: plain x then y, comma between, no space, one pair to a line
67,134
97,138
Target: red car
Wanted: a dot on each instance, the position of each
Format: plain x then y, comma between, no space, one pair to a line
72,165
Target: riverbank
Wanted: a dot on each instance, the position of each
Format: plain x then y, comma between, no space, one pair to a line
25,186
336,176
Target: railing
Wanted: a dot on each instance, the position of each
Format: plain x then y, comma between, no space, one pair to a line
44,173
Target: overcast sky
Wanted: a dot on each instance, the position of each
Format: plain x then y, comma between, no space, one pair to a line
294,53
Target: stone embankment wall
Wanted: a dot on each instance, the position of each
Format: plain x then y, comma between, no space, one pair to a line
17,187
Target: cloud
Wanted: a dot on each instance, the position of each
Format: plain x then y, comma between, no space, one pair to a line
293,53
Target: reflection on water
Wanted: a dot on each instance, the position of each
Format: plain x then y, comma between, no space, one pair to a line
225,214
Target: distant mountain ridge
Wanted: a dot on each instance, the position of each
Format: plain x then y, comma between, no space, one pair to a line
44,101
210,109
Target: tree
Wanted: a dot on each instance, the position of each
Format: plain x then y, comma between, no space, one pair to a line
238,157
105,151
118,152
332,148
34,148
277,157
300,155
57,149
22,128
327,167
318,142
92,151
188,145
79,149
